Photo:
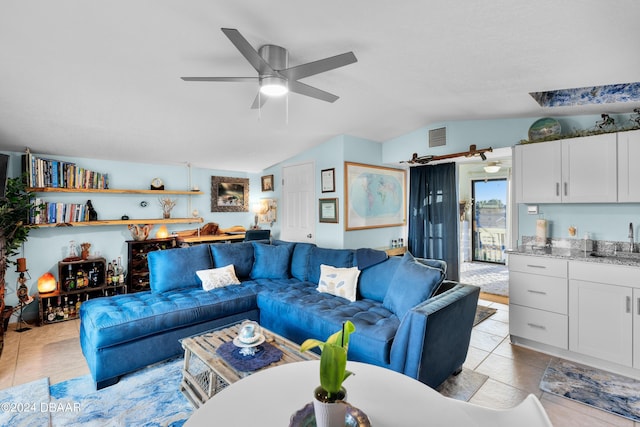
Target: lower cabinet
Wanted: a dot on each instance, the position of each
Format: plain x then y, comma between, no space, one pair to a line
602,301
538,299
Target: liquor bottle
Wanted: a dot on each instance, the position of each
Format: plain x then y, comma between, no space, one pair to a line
109,273
93,278
114,277
70,280
59,313
81,279
51,315
72,309
120,272
65,309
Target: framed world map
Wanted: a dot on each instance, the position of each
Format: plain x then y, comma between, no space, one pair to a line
375,196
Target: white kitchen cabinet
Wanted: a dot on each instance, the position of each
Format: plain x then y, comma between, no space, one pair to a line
600,323
629,166
575,170
538,297
538,169
601,306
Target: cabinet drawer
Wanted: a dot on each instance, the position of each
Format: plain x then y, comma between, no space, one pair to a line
605,273
536,291
539,325
538,265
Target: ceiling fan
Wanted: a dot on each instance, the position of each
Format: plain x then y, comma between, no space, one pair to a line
275,77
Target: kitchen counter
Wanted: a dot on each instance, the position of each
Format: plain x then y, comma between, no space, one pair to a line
620,258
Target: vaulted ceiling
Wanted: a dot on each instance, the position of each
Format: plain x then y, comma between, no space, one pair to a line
102,79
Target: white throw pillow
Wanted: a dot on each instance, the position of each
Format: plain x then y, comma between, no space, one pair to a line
341,282
218,277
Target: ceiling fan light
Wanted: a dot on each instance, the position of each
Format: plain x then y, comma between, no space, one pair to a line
273,86
492,167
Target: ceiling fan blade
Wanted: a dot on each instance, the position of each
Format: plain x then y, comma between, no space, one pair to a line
320,66
259,101
303,89
220,79
248,51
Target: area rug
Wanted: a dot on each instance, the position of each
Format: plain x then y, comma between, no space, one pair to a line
149,397
603,390
25,405
483,313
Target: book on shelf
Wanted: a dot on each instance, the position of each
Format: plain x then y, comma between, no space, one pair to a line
60,213
42,172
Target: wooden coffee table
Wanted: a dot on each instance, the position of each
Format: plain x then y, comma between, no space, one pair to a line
205,373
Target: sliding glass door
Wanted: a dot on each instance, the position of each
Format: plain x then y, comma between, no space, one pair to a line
489,220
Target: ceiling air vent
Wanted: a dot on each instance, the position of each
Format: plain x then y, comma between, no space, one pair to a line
438,137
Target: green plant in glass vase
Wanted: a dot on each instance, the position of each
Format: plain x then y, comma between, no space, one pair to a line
333,362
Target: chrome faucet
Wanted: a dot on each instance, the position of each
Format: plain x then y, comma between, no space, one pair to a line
630,237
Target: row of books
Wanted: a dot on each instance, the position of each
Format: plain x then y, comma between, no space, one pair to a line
43,172
57,213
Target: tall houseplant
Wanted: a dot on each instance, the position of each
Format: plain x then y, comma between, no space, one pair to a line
329,399
15,209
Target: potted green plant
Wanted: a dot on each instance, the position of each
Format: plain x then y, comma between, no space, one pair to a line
330,396
15,209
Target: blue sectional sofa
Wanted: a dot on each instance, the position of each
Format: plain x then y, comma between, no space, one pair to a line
407,317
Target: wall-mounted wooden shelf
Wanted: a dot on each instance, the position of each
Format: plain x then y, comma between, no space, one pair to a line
110,190
124,222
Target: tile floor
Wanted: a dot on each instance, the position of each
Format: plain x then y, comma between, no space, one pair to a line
514,372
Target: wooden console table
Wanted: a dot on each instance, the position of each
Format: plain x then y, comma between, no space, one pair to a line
212,238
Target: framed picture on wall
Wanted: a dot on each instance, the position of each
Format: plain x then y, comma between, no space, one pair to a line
229,194
328,210
328,179
375,196
267,183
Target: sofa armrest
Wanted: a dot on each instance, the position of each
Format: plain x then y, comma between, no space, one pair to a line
433,338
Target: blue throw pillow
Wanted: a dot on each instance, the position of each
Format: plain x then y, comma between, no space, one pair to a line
300,260
238,254
176,268
412,283
271,262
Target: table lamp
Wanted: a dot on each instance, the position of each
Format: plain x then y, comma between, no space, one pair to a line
47,283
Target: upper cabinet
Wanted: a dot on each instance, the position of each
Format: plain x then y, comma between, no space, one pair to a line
576,170
628,166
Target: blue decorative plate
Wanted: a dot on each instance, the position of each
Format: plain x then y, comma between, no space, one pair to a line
544,128
306,417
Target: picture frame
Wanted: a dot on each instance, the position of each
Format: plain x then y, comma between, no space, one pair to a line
328,180
267,183
375,196
328,210
229,194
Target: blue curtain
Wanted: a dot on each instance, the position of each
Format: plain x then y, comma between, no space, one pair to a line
433,215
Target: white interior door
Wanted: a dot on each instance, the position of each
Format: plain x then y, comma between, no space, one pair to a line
298,200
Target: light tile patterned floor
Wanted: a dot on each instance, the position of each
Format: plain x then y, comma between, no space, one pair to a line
514,372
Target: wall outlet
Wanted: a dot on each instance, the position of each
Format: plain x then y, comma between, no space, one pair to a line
532,210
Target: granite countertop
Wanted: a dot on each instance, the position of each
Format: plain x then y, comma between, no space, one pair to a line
620,258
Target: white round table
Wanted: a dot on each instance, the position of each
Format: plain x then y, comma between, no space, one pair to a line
272,396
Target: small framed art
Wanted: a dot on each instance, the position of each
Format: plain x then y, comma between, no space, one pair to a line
328,210
267,183
328,179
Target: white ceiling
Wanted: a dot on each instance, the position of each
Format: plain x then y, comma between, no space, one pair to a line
102,79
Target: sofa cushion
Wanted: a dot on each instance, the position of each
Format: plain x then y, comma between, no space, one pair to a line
218,277
122,318
238,254
341,282
271,262
375,280
300,260
365,257
299,312
340,258
412,283
175,268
